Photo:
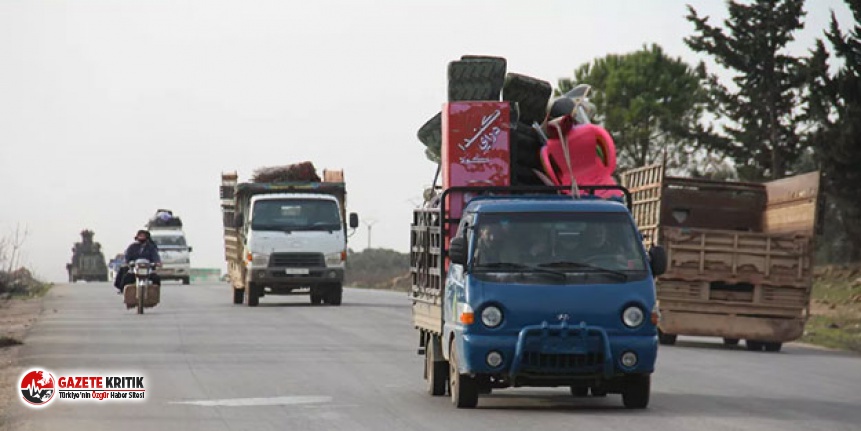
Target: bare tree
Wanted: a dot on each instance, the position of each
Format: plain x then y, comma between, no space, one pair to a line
11,247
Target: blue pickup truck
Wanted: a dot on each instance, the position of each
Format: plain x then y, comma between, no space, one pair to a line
535,288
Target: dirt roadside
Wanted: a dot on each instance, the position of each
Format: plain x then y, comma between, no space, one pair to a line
16,317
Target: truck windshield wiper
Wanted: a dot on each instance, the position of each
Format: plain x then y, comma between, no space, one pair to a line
572,264
519,266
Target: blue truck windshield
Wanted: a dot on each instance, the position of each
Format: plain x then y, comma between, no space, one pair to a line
560,242
295,214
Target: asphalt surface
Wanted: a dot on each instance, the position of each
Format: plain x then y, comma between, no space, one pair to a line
286,365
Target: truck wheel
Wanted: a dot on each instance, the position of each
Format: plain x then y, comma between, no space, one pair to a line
666,339
579,391
598,392
316,298
435,371
251,296
635,395
186,281
334,294
773,347
238,296
730,341
463,390
754,346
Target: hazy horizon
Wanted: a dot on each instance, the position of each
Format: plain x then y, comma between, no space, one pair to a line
111,110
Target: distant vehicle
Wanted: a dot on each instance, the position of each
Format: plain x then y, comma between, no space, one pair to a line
88,262
115,264
166,231
286,237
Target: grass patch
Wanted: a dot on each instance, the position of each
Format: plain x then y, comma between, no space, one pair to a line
836,319
9,342
835,332
34,290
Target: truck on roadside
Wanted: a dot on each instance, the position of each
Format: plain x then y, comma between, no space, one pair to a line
286,235
88,262
740,255
166,232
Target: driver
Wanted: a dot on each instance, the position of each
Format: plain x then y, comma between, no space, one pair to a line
495,241
142,248
595,242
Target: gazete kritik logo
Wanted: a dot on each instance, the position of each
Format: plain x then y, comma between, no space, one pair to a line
39,387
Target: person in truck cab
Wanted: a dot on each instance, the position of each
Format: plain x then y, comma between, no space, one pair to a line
496,244
142,248
598,244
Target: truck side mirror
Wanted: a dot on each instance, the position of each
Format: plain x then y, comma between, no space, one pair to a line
189,249
658,260
238,221
354,220
457,250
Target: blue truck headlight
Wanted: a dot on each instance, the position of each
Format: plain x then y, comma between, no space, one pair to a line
491,316
633,316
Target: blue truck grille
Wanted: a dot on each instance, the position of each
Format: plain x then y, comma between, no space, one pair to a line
560,362
297,260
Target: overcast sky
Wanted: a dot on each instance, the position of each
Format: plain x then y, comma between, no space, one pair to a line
112,109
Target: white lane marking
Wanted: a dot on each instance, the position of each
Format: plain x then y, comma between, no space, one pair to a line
247,402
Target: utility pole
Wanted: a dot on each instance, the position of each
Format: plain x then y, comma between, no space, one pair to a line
370,224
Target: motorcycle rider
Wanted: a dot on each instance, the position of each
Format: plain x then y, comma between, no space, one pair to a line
142,248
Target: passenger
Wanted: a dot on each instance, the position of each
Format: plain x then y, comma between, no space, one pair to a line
496,244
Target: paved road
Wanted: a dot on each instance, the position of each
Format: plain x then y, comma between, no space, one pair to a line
285,365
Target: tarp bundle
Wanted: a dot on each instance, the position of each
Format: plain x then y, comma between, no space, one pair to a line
297,172
164,218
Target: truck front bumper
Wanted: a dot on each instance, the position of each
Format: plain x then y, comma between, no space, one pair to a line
291,277
557,353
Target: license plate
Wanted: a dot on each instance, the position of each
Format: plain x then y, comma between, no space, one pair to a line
296,271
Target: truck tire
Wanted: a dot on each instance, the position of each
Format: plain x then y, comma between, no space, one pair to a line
476,78
334,294
252,297
463,389
186,281
772,347
730,341
531,95
635,394
436,372
598,392
666,339
579,391
238,296
316,298
754,346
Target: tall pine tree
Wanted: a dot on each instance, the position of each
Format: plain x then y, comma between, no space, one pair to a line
763,108
835,105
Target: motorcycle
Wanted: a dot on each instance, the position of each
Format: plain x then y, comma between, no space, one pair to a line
143,293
